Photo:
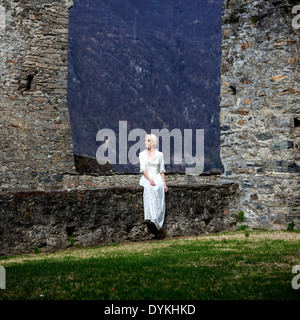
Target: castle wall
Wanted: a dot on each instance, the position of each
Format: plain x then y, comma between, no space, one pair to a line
260,103
260,98
35,134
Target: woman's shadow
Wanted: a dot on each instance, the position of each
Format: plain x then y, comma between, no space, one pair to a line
158,234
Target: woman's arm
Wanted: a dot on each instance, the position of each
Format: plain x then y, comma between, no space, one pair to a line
164,180
143,168
162,171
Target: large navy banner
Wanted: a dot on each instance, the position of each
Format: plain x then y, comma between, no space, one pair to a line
137,66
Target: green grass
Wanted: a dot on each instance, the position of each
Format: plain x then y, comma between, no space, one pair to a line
256,265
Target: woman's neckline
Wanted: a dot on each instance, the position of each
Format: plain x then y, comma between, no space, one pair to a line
154,156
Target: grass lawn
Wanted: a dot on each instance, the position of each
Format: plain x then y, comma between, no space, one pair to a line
236,266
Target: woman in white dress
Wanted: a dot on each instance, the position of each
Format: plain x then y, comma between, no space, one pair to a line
153,181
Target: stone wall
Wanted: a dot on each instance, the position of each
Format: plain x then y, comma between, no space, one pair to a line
53,220
259,135
260,99
35,134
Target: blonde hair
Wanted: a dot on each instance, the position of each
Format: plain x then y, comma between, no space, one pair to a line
153,139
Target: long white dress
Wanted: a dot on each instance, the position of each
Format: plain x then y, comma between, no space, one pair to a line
153,196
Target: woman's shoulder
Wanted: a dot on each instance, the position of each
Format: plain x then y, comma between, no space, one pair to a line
142,153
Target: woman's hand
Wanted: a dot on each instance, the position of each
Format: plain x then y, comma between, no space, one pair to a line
166,188
148,178
152,183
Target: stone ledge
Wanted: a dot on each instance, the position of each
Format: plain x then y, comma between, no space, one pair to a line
54,220
135,188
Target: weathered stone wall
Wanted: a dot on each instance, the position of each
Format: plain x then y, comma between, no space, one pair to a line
53,220
35,134
260,101
259,125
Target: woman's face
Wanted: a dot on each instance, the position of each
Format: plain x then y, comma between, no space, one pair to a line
147,143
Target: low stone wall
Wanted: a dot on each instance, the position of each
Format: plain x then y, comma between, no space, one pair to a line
53,220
